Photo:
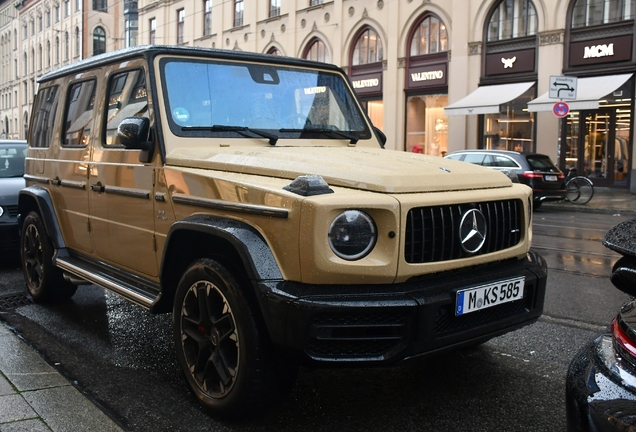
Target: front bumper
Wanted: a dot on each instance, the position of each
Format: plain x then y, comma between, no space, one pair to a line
600,390
9,238
383,324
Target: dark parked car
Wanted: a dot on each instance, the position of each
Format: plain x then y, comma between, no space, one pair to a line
601,380
12,153
533,169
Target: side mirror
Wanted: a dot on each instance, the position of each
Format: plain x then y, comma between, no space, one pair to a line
380,135
133,133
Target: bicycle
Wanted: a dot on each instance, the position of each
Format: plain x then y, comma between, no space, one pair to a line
580,189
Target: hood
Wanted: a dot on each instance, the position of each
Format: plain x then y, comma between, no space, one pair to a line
9,189
369,169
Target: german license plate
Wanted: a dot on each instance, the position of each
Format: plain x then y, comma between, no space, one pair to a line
489,295
550,178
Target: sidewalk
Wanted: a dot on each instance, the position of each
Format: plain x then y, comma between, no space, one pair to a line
604,201
35,398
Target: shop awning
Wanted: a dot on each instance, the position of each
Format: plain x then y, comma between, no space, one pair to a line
487,99
589,91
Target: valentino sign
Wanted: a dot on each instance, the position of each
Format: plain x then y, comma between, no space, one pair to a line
426,76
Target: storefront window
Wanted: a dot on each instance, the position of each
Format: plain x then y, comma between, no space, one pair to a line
426,124
375,110
513,127
597,142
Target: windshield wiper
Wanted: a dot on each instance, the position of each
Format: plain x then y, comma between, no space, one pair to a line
353,139
239,129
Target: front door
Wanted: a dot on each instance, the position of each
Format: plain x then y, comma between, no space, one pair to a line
121,200
596,144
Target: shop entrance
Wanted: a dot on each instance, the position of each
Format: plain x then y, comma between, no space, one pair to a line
597,145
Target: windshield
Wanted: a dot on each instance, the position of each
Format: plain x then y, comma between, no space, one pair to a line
12,160
212,98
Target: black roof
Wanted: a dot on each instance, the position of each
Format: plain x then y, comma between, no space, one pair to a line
150,51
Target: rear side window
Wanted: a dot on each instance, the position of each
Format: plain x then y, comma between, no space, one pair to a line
455,157
505,162
127,97
78,120
475,158
541,163
44,117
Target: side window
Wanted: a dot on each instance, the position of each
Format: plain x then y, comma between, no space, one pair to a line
474,158
455,157
127,97
44,117
488,161
79,113
505,162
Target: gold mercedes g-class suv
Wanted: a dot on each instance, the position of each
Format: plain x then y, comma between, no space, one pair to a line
251,197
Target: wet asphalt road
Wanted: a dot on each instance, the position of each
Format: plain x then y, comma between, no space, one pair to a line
123,359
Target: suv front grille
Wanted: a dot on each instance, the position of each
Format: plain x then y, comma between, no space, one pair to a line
432,233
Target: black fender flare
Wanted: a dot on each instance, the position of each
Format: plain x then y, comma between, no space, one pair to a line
42,199
258,259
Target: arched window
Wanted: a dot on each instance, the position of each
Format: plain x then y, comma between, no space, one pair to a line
317,51
57,50
368,48
513,19
588,13
430,37
40,57
48,53
274,51
67,44
99,41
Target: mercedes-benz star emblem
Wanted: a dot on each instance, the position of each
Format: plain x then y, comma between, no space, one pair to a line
472,230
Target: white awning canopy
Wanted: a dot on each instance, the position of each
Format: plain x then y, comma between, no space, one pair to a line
487,99
589,91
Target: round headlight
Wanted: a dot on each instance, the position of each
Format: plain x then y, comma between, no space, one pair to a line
352,235
1,211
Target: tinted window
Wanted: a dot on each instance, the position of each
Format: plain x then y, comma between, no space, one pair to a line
127,97
541,163
12,160
79,113
44,117
504,162
455,156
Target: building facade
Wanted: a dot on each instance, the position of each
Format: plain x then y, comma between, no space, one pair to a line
434,75
37,36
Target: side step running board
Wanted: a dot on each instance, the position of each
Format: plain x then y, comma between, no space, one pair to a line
91,274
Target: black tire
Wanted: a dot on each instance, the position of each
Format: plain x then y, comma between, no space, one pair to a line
586,189
573,191
44,281
222,346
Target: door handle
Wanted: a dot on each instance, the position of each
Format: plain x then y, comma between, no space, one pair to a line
96,187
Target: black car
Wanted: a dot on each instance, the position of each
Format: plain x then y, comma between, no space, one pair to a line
601,380
533,169
12,153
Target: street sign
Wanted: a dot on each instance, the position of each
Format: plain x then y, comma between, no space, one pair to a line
562,87
560,109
